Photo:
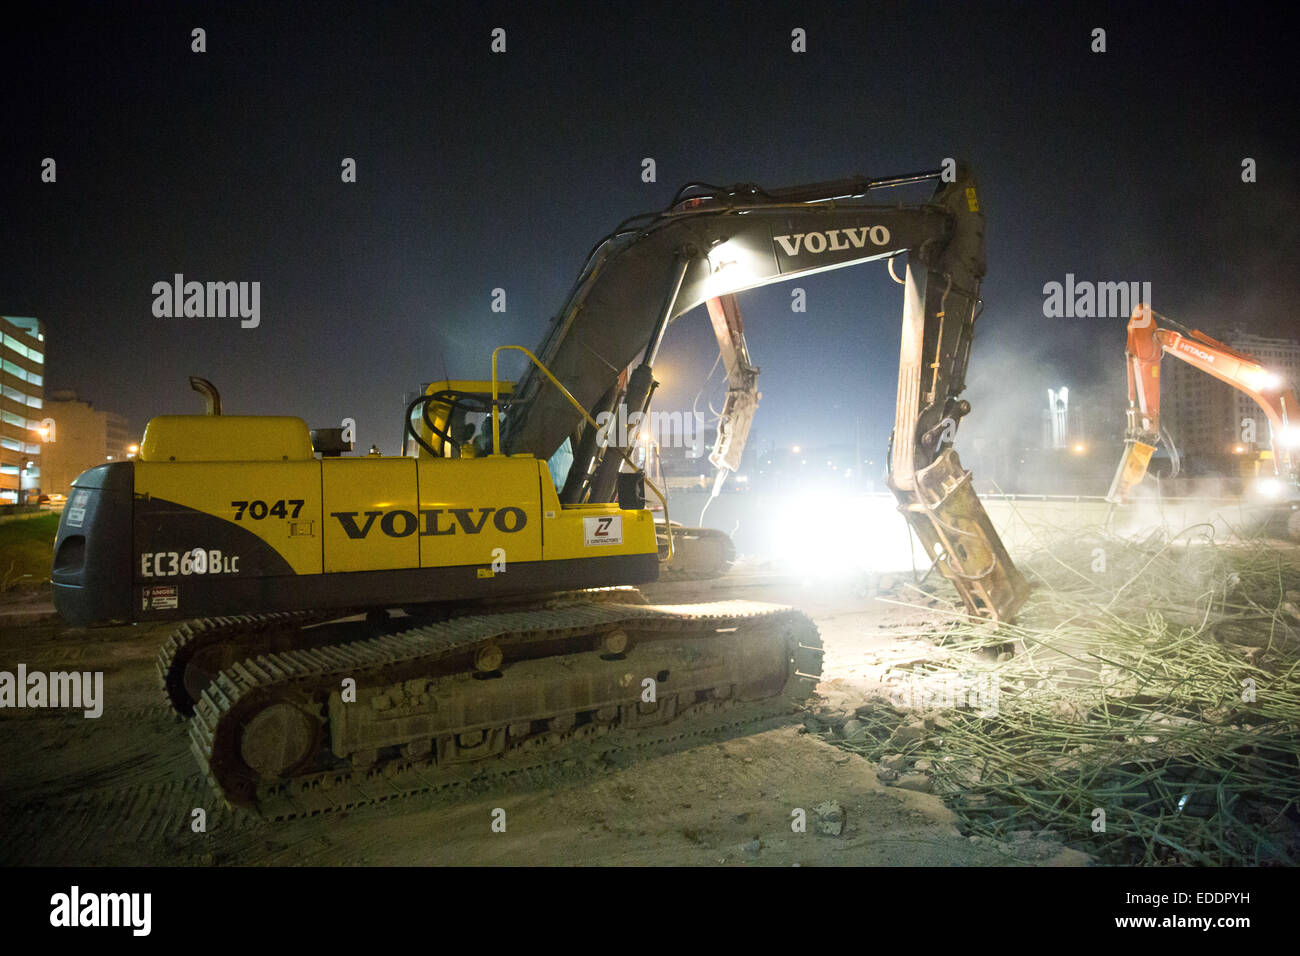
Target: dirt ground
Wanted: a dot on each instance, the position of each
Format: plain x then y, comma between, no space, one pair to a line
121,790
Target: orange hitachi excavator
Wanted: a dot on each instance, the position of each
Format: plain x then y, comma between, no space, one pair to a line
1147,343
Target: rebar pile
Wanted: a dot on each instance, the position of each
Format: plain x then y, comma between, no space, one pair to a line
1145,708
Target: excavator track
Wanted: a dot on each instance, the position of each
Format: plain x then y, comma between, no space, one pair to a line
485,696
198,650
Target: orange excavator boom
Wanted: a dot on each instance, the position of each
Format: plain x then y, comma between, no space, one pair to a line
1147,344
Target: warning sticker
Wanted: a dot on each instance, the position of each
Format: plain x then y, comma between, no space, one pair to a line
606,529
77,509
159,597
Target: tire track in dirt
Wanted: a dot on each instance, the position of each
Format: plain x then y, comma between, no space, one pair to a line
125,825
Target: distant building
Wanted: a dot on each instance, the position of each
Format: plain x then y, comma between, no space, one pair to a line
83,437
22,393
1056,418
687,465
1204,416
1097,418
1091,418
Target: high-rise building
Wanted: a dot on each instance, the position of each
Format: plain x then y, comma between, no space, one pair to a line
1056,418
1204,416
1097,418
1281,356
83,437
22,395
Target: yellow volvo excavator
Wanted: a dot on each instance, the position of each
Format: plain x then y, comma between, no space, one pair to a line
359,627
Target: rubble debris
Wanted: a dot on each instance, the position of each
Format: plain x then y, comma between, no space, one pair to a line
854,730
830,818
907,734
1140,690
920,782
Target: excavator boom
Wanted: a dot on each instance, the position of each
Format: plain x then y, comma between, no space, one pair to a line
742,384
707,248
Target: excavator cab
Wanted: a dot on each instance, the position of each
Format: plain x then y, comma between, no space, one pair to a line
452,419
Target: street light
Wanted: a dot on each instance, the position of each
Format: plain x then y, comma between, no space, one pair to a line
132,450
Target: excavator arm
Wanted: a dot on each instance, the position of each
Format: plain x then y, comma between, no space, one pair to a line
741,403
719,242
1147,344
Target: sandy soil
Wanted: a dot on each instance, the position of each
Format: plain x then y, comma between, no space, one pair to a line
122,789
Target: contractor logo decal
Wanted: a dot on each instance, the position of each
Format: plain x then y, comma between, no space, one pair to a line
431,521
606,529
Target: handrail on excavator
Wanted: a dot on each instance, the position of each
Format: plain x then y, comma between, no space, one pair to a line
496,429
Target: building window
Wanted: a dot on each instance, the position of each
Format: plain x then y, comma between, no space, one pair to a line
28,353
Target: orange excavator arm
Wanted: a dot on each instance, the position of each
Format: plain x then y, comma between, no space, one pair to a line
1147,344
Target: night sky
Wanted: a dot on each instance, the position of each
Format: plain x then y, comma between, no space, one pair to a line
479,170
